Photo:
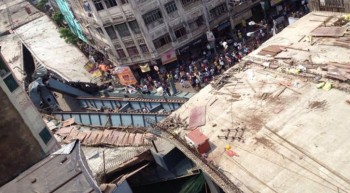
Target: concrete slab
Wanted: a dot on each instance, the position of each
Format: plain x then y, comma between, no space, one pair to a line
41,37
295,139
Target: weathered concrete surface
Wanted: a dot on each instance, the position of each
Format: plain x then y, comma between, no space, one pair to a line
296,136
19,150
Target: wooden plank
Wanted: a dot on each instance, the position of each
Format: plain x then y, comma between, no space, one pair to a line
88,133
131,139
138,139
120,140
125,139
115,139
98,137
292,89
333,31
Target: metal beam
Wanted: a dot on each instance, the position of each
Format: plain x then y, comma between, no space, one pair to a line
168,104
116,119
65,88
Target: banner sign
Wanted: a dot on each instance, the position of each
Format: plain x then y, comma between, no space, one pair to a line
169,56
145,68
125,75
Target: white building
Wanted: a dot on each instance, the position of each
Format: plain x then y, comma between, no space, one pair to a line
138,31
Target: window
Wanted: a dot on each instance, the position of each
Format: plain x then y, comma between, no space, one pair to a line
180,32
11,83
121,53
132,51
218,10
45,135
159,42
124,1
134,27
110,3
194,24
98,4
99,30
170,7
123,30
86,6
3,68
152,16
200,21
110,31
144,48
187,2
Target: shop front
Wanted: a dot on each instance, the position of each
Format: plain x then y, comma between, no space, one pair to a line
193,50
222,31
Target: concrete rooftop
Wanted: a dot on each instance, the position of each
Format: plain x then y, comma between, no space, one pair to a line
295,136
42,38
40,35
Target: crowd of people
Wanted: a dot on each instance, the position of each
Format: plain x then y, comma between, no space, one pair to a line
192,72
198,72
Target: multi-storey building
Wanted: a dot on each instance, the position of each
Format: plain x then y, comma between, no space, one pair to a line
137,31
330,5
25,139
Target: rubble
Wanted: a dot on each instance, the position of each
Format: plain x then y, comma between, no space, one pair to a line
173,122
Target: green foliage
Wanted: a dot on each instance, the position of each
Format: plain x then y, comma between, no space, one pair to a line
41,4
69,36
58,18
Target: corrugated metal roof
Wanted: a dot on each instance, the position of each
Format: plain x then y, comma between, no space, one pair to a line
57,173
103,137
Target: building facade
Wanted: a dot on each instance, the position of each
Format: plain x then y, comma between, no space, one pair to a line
342,6
25,139
138,31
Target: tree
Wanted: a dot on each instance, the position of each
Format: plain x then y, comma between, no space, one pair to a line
68,35
58,18
41,4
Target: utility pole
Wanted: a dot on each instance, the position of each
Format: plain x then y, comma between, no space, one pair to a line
206,17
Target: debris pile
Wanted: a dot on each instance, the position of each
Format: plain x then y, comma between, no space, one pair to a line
113,138
338,71
174,122
68,131
220,81
317,105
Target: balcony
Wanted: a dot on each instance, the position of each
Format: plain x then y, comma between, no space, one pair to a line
216,21
182,38
124,60
115,41
127,38
164,48
91,21
140,40
174,15
237,9
191,5
136,58
199,30
155,24
129,15
147,56
118,18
